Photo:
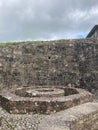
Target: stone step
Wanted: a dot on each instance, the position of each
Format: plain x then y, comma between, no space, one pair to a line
82,117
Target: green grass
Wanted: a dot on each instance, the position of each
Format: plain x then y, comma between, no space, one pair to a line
18,43
28,42
9,43
43,42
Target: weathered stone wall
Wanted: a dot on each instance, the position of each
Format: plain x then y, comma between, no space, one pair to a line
87,55
82,117
66,62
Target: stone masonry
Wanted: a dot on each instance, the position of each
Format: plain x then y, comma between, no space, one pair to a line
82,117
42,100
63,62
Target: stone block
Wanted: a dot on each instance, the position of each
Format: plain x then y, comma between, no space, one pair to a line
77,118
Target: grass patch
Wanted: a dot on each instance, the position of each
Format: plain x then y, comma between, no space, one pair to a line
49,42
9,43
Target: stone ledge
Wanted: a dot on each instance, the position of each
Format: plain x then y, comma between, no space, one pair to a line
17,102
82,117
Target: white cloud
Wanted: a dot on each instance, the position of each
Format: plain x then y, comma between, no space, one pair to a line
77,15
46,19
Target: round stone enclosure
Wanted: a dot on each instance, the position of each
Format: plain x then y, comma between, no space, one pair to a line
42,100
39,92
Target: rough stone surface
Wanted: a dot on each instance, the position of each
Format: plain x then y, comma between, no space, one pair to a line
65,62
82,117
18,101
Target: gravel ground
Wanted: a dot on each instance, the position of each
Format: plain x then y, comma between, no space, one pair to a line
24,121
20,122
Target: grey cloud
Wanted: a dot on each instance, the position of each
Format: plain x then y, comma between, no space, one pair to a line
46,19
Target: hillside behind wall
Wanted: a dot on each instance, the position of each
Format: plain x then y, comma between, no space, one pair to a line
65,62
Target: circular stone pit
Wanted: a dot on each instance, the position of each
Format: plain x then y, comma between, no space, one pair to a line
40,92
42,100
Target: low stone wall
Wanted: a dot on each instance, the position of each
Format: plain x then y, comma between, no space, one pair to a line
65,62
27,100
82,117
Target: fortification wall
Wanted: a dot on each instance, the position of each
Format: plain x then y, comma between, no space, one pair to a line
65,62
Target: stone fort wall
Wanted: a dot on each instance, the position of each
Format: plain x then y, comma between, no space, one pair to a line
65,62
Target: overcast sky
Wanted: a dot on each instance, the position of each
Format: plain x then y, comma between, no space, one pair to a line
22,20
